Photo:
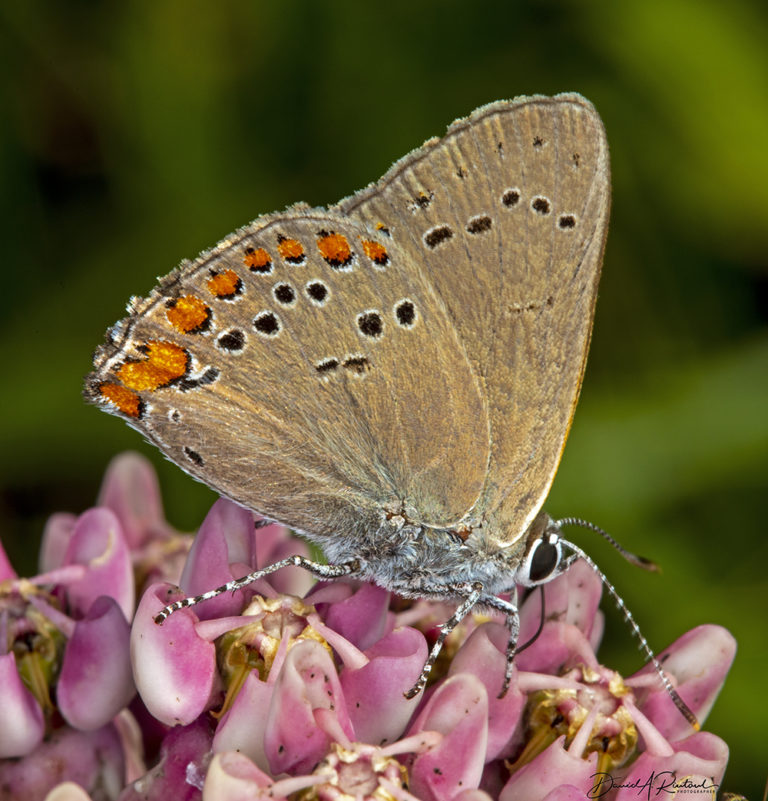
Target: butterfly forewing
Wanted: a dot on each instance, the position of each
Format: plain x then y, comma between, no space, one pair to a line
306,369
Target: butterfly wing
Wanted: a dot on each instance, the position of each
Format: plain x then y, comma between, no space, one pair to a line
507,215
306,369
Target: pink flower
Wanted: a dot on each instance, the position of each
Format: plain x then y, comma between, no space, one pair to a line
180,769
287,702
65,673
131,491
596,722
93,760
64,649
291,689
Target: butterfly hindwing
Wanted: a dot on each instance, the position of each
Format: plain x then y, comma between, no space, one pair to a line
507,217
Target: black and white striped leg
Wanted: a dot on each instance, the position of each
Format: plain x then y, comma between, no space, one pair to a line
471,594
513,625
319,570
512,622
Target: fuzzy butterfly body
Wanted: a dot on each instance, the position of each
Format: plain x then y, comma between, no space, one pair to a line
394,376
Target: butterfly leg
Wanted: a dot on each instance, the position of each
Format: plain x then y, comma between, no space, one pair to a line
471,595
512,622
319,570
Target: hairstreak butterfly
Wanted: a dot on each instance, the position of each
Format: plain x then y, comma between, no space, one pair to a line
393,376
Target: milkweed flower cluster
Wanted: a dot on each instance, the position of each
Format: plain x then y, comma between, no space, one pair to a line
293,690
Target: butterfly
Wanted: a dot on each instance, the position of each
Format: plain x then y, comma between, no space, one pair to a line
393,376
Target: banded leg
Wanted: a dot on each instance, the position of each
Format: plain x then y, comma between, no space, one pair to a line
475,591
512,622
319,570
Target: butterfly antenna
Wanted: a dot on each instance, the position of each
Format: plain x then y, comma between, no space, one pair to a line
644,647
634,559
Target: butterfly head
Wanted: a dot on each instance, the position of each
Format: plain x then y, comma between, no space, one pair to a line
544,557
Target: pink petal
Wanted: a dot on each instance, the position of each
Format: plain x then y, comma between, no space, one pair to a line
179,775
458,709
6,570
98,543
96,682
23,723
574,623
699,761
233,777
173,667
700,661
566,792
307,684
484,655
226,538
572,598
374,692
558,647
67,791
275,542
132,740
92,760
131,490
474,795
553,768
56,537
243,726
362,618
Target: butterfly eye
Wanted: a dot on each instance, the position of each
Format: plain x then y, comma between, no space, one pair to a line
541,561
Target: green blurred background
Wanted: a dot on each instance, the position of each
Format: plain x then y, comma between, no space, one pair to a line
137,133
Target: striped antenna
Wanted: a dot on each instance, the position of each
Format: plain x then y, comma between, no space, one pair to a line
619,601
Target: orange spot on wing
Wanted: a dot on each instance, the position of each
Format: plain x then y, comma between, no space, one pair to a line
335,249
375,252
290,249
164,363
225,284
124,399
257,260
188,314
